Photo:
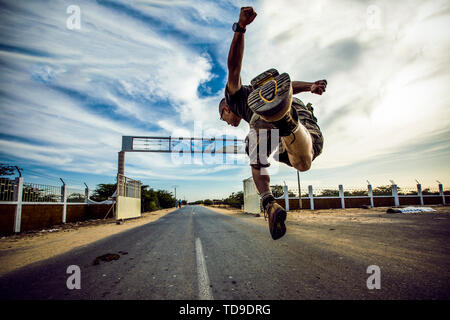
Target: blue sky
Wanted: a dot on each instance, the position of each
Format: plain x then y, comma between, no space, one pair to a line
158,68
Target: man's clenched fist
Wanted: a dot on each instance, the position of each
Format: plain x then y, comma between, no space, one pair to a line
246,16
319,87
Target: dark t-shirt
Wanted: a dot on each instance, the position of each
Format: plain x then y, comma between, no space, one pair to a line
238,102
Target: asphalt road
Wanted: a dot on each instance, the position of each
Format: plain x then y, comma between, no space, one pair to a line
196,253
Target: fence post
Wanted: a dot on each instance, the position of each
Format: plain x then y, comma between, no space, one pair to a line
369,187
64,201
311,197
299,190
441,192
419,192
86,194
18,192
341,194
395,194
286,198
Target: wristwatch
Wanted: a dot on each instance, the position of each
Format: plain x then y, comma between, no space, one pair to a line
238,28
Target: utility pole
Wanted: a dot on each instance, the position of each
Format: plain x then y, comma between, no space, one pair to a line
175,187
299,190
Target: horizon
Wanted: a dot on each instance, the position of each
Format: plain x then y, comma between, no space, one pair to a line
151,68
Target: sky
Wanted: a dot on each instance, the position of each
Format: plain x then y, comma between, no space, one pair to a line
159,68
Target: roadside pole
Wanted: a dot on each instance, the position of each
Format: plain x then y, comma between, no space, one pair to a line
299,190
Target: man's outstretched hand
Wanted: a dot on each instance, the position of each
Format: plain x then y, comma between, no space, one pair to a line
319,87
246,16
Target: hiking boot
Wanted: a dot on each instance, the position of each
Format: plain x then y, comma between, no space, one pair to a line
277,216
260,80
271,99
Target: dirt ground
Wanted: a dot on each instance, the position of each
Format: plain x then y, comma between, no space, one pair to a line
20,250
418,243
333,216
307,222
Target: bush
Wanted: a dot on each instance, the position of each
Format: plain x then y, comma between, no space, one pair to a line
236,200
165,199
103,191
207,202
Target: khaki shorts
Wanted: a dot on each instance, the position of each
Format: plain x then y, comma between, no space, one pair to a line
258,138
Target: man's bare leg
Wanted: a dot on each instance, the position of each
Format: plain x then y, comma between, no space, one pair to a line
299,148
277,215
262,180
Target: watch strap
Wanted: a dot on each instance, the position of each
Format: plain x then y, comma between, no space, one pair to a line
238,28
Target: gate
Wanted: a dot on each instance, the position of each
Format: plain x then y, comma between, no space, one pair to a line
128,198
251,197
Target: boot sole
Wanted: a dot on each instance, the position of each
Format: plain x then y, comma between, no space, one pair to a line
279,227
261,79
273,99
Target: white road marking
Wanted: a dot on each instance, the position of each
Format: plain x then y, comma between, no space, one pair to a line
204,289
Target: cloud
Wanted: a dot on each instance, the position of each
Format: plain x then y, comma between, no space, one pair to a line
377,98
92,86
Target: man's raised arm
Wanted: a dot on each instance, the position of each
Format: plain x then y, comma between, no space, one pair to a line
236,53
317,87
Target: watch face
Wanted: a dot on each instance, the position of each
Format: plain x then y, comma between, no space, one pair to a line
237,28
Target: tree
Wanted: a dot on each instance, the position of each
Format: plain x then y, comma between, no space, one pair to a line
236,199
6,170
149,199
104,191
277,191
207,202
358,193
165,199
384,190
197,202
76,198
427,191
329,193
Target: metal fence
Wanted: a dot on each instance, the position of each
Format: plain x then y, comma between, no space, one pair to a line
18,193
7,188
399,194
40,193
127,187
77,195
323,192
33,192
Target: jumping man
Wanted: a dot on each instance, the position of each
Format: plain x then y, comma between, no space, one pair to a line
268,104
